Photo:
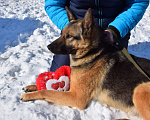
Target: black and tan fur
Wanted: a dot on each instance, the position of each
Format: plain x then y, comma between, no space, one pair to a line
98,71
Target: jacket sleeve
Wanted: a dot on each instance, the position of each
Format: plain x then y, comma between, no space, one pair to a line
130,16
55,9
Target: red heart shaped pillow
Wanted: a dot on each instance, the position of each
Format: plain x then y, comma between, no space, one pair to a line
58,80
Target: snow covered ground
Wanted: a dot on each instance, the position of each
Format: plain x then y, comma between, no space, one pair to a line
25,32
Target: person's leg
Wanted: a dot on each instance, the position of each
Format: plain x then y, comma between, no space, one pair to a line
58,61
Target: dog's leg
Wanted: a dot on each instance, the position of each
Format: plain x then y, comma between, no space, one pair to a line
30,88
67,98
141,100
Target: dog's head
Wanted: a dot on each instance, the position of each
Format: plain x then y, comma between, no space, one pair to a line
78,37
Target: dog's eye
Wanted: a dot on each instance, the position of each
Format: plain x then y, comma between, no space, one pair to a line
69,36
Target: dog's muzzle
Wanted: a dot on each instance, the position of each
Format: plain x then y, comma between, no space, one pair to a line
56,48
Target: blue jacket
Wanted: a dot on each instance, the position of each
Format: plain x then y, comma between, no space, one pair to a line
121,14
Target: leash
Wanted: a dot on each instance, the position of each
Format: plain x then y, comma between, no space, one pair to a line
130,58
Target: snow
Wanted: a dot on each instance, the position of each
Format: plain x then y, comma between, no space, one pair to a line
25,32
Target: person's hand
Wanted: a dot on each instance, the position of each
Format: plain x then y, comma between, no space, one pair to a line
109,37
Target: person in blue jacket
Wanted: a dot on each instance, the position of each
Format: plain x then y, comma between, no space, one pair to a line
117,17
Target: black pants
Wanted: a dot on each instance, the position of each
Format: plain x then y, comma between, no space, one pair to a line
60,60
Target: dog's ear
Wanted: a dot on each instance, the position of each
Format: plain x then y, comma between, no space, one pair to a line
88,19
69,14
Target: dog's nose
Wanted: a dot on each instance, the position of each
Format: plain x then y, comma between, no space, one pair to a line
49,47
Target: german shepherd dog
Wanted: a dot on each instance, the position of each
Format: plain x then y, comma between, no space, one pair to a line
99,71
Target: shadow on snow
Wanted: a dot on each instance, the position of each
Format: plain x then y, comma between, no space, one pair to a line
14,30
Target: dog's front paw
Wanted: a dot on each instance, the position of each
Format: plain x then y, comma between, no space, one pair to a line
26,97
30,88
